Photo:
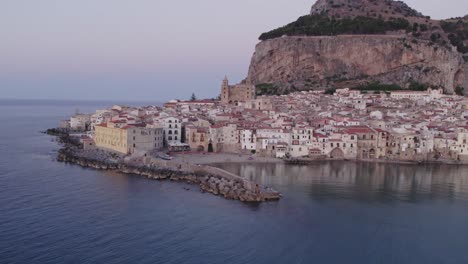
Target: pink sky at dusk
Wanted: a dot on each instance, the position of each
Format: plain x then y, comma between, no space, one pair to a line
119,49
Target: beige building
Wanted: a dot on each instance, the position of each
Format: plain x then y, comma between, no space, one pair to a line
262,103
128,139
198,138
80,122
235,94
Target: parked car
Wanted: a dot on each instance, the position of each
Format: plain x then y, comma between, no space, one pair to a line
164,156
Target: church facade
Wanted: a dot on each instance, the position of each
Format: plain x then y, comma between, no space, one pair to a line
235,94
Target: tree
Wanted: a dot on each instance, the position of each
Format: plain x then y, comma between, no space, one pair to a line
416,86
330,91
460,90
193,97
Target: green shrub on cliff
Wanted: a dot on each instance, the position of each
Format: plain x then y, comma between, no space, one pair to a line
457,33
320,25
416,86
330,91
268,89
376,86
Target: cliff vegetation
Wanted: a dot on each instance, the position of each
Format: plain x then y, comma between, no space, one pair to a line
457,31
321,25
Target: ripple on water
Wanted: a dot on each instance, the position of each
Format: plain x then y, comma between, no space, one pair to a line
333,212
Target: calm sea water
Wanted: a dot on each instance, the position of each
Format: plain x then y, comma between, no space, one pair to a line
336,212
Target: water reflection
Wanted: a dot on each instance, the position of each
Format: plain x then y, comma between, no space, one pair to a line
366,182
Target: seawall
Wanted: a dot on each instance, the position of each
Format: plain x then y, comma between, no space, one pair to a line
210,179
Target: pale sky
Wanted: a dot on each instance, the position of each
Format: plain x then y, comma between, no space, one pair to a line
149,50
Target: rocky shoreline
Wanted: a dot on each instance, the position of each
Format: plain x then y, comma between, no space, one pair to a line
209,179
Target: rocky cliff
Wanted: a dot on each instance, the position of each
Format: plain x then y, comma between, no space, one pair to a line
347,43
320,62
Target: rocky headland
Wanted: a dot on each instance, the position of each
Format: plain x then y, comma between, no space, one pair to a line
353,43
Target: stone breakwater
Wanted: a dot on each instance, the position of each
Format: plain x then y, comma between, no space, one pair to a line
209,179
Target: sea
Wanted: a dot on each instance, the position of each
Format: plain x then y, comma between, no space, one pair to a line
331,212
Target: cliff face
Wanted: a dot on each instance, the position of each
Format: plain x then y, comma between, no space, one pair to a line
346,43
465,83
349,60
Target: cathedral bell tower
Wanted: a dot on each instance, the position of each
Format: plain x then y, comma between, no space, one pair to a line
225,91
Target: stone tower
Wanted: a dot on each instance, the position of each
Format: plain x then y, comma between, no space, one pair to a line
235,94
225,91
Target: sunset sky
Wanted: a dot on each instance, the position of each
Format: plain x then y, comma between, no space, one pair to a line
149,50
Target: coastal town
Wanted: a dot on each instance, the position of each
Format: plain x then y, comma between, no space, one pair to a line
346,124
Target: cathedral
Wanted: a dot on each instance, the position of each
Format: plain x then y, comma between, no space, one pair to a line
235,94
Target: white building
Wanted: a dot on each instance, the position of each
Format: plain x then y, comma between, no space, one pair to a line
172,130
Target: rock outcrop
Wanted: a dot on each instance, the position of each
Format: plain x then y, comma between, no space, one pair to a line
318,62
403,47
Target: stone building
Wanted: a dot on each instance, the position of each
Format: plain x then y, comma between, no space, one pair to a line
235,94
262,103
224,138
80,122
128,139
198,138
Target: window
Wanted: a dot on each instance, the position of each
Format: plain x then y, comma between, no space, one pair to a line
170,138
175,138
